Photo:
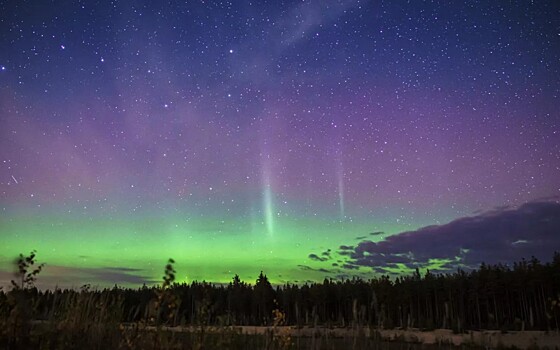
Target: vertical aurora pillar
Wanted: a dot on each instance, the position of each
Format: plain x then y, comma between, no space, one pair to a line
267,197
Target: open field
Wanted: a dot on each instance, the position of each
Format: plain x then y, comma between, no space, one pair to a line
492,339
441,337
49,335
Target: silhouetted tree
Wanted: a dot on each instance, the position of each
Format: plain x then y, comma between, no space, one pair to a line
263,299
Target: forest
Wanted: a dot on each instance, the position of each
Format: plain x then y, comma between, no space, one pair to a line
524,296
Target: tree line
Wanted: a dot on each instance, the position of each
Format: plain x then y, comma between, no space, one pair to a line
524,296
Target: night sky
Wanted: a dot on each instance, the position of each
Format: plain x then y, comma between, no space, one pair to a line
307,139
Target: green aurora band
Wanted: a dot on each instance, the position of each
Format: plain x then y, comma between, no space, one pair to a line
211,248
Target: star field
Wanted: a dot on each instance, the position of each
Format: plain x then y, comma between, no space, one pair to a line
245,136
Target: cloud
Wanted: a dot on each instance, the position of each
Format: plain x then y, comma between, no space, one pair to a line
303,20
119,275
326,255
315,257
503,235
67,276
122,269
309,268
350,267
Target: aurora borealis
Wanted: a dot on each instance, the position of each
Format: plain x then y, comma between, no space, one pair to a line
293,137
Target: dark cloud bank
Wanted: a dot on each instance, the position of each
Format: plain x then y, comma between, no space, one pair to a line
68,276
501,236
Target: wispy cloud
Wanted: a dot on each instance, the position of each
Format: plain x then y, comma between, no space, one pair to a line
305,19
309,268
68,276
315,257
326,255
